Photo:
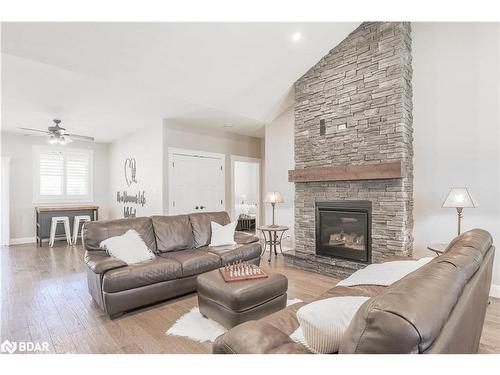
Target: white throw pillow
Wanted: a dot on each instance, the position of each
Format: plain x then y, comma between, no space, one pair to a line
324,322
128,247
384,274
223,234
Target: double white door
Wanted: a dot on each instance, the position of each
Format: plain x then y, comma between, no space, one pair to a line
197,184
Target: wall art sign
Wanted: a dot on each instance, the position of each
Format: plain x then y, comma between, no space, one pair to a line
130,169
130,200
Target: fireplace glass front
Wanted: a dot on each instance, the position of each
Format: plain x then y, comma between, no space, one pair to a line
343,230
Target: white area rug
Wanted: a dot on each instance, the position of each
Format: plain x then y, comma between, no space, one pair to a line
196,327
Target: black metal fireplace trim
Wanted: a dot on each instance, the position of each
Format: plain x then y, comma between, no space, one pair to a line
347,206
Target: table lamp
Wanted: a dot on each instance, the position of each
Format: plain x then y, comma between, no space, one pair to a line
273,197
459,198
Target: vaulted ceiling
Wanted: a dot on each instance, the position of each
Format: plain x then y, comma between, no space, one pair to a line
108,79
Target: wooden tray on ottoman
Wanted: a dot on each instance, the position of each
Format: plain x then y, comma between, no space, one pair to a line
228,279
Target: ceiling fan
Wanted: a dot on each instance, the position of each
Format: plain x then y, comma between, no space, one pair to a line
58,134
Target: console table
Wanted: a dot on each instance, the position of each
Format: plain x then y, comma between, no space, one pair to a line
273,240
45,214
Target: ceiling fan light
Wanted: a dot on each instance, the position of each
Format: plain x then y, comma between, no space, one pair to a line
62,140
53,140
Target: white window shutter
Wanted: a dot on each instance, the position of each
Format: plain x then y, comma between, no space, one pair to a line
51,174
63,175
77,174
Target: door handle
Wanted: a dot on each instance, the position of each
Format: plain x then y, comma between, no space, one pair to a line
197,207
202,207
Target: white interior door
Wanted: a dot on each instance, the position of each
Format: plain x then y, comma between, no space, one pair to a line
197,184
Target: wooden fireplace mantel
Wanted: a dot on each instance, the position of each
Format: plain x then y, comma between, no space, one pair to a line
378,171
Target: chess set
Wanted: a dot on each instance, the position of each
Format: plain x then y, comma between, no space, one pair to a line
240,271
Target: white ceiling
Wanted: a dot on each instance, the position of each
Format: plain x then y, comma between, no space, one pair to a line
108,79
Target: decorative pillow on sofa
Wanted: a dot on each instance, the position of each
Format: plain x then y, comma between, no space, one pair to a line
223,234
324,322
128,247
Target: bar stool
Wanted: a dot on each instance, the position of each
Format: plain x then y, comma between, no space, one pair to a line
76,226
53,227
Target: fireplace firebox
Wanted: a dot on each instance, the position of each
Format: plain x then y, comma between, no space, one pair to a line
343,230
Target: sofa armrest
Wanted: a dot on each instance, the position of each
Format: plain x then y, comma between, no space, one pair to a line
243,238
100,262
256,337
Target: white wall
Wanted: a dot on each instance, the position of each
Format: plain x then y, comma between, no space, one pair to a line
456,128
22,213
205,139
146,146
279,159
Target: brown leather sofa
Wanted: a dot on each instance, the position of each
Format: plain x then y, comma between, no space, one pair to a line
439,308
182,252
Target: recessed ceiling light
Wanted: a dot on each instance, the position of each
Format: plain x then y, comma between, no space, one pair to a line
296,36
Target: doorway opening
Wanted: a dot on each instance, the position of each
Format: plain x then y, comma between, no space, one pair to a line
245,192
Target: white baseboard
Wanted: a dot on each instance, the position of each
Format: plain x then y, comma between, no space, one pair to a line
22,240
495,291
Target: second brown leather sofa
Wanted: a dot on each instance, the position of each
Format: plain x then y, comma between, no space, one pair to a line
182,252
439,308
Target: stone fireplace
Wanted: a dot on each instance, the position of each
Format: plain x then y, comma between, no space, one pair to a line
353,153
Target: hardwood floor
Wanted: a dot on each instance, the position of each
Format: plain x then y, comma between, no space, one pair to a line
44,298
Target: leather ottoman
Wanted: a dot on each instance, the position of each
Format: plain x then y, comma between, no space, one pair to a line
236,302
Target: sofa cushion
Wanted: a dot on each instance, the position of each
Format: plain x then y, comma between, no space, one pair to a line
94,232
173,233
141,274
232,253
194,262
200,223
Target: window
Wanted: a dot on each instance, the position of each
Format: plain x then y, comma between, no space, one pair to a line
62,175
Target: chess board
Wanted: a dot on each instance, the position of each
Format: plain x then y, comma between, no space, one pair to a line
228,277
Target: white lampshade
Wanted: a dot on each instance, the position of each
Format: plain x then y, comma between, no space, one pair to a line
459,197
273,197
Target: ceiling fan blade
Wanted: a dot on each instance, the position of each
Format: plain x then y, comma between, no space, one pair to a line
77,137
34,135
34,130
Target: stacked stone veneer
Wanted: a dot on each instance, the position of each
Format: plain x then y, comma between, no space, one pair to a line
363,84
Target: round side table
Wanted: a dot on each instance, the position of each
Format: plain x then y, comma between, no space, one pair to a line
275,236
438,248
